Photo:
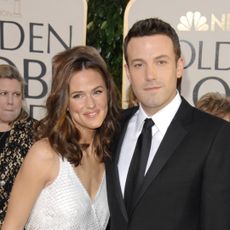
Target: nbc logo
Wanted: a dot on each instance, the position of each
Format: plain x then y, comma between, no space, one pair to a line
194,21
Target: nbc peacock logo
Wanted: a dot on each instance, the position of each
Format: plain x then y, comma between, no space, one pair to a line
193,21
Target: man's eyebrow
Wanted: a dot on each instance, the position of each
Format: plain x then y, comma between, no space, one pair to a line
162,56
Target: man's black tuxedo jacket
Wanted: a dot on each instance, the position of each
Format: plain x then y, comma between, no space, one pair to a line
188,184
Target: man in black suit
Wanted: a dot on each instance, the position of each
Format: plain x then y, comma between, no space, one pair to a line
186,181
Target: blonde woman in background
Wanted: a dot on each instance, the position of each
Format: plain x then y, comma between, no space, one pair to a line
16,131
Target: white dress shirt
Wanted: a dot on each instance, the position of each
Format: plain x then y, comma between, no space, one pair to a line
162,120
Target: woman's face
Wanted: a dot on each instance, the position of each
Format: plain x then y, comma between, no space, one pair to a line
88,100
10,100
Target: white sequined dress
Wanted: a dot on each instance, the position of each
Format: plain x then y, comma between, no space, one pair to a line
66,205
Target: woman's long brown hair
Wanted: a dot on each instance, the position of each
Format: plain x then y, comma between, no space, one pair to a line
58,126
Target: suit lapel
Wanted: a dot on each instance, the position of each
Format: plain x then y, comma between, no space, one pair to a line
173,137
128,114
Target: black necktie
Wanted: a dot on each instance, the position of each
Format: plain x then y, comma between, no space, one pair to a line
138,163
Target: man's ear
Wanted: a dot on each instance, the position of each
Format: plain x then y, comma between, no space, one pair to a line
127,71
180,67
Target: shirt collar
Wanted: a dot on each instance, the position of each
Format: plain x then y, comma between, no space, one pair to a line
141,116
162,118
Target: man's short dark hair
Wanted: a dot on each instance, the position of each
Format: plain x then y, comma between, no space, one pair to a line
152,26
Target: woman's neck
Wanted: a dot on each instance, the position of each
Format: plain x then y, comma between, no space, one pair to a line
4,127
87,136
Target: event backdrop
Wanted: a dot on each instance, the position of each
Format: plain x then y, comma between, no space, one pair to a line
204,30
31,33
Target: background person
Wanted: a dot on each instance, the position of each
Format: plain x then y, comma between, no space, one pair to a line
215,104
184,181
61,184
16,131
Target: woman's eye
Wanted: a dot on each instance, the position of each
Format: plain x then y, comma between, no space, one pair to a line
98,92
77,96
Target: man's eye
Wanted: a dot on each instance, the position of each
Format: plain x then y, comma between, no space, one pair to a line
138,65
3,93
162,62
17,94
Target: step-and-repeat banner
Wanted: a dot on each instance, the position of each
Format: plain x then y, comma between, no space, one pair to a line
204,31
31,33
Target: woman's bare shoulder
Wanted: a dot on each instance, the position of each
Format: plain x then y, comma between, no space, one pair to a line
42,160
42,150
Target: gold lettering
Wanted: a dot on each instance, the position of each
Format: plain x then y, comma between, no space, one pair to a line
228,22
216,22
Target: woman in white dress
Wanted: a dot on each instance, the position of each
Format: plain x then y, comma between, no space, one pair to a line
61,184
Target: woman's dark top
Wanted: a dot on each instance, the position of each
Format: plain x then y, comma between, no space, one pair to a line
14,146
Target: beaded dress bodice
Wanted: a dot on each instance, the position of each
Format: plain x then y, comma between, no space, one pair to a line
66,205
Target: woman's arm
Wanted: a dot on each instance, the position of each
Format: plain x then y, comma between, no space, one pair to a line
39,168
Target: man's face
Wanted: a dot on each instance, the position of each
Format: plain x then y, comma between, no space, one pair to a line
153,71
